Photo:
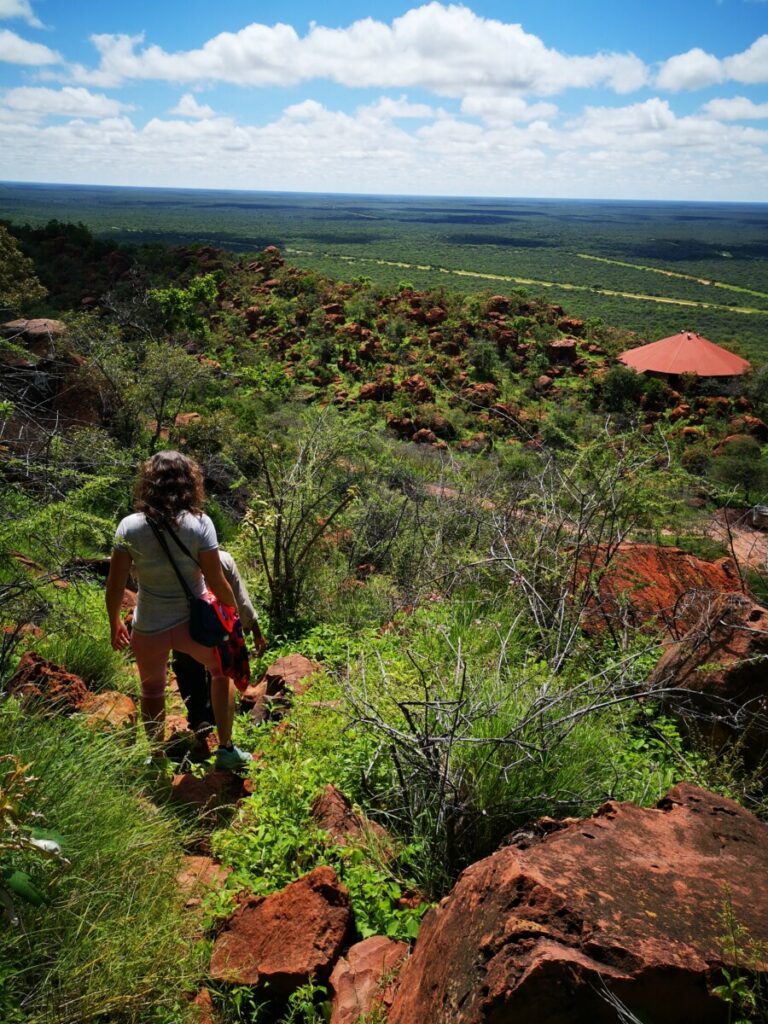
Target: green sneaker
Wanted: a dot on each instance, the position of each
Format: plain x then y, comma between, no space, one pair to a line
232,758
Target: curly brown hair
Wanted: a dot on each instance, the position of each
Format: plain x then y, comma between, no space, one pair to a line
169,483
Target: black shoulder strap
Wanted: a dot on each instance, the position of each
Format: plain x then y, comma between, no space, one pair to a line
164,545
182,545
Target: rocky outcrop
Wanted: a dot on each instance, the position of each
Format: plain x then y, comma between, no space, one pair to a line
629,902
285,939
285,678
638,584
208,796
720,667
363,980
333,812
199,876
47,686
110,711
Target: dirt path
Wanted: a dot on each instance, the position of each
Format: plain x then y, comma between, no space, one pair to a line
750,546
565,285
673,273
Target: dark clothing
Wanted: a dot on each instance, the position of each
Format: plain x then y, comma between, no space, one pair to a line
195,688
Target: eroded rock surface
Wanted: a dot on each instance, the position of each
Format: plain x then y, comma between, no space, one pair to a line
362,980
47,685
287,938
721,667
646,582
631,900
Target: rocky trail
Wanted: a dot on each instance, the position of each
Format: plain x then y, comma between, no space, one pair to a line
748,545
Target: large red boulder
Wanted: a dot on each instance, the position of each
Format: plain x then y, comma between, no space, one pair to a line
216,791
285,678
47,686
110,711
717,672
630,902
362,980
639,584
285,939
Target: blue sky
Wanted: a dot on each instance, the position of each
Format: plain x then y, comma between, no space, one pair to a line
562,98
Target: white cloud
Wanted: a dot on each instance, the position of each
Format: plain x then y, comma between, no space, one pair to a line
67,102
15,50
697,69
19,9
692,70
738,108
501,110
189,107
751,66
447,49
642,150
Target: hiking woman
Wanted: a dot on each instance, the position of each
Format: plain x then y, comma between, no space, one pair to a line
168,498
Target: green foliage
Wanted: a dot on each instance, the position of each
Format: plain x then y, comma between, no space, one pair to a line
19,287
112,942
742,467
186,309
744,986
622,389
274,840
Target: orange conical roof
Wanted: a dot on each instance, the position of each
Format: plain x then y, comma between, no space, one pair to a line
685,352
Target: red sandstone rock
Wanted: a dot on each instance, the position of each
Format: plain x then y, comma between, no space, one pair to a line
571,325
646,583
721,665
109,711
424,436
285,939
214,792
562,350
630,900
376,391
291,672
199,876
543,383
497,304
483,395
418,388
723,445
203,1009
333,812
362,981
47,686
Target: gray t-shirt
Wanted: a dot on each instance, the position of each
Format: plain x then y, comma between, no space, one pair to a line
161,601
239,589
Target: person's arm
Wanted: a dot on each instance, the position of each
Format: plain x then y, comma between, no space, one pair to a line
244,604
210,563
119,567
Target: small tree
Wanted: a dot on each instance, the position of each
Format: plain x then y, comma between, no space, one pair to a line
305,487
19,286
743,467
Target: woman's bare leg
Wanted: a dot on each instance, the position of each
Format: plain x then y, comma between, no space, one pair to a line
223,701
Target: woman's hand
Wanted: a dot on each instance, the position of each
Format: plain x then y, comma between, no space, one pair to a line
259,643
121,638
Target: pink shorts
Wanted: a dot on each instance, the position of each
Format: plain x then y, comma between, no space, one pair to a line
151,651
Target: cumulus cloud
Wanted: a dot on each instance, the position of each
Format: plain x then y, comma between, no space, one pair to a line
67,102
697,69
445,48
501,110
751,66
15,50
19,9
189,107
738,108
642,149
